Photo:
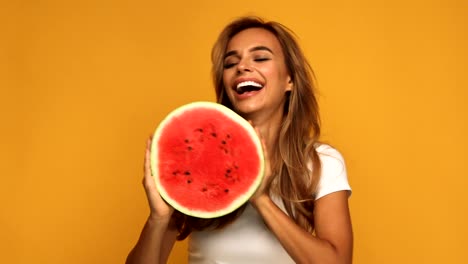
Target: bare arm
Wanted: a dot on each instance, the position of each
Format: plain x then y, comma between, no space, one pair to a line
159,233
333,242
155,243
333,239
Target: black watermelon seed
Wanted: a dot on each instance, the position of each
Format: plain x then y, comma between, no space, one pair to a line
228,171
189,148
189,181
213,134
228,136
223,142
187,172
204,189
186,140
226,190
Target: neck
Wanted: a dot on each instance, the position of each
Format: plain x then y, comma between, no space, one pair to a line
268,126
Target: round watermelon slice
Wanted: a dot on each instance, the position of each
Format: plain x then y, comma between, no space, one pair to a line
206,160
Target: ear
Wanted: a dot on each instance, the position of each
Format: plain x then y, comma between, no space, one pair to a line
289,85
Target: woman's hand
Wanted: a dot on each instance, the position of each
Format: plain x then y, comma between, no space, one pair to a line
263,189
160,210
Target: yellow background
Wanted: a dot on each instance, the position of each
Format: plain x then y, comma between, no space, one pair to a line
84,83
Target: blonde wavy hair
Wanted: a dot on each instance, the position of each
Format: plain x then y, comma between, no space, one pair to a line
295,162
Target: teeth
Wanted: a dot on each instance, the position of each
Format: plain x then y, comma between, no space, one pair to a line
248,83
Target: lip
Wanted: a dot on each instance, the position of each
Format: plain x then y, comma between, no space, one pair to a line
239,80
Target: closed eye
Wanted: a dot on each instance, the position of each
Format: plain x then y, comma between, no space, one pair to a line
261,59
229,65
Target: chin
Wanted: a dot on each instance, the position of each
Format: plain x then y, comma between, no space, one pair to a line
246,108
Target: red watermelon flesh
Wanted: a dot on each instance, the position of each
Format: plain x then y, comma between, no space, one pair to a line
206,160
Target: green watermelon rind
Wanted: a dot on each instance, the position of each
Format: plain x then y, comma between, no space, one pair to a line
154,164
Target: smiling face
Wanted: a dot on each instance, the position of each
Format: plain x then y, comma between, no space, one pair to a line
255,75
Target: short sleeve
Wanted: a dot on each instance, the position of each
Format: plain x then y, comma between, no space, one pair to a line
334,176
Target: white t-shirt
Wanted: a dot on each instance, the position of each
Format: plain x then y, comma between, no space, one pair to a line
247,240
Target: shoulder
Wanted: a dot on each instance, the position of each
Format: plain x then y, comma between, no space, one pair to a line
334,176
330,158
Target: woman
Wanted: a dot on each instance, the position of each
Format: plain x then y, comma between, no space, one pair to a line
300,212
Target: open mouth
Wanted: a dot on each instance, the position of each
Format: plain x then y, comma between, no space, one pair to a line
248,86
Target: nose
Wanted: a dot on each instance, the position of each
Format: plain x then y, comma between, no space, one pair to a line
244,66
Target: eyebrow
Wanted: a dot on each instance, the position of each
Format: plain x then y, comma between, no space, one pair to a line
233,52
